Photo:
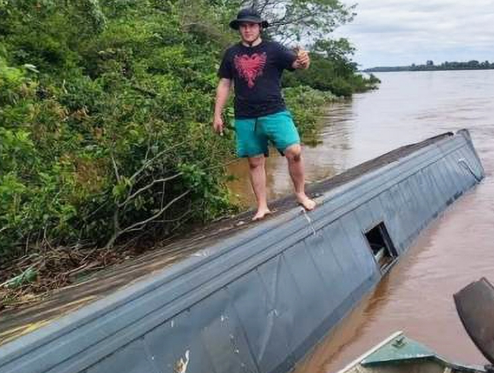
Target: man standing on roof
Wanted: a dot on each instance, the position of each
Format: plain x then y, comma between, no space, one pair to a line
255,67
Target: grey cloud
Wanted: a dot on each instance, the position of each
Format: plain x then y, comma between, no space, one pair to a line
407,31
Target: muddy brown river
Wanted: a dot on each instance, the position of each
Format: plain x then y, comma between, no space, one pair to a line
416,296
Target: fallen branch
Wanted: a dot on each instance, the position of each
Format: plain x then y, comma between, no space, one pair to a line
137,226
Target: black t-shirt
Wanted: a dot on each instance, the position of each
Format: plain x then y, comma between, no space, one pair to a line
256,74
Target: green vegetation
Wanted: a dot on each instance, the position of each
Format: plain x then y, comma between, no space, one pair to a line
105,122
105,114
332,70
306,105
429,66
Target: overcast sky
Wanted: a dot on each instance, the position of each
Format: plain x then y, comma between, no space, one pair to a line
402,32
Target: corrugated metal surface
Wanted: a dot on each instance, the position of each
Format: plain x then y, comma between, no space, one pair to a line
257,301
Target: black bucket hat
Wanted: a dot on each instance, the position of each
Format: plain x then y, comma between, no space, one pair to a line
248,15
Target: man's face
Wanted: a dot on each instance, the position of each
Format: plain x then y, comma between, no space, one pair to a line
249,31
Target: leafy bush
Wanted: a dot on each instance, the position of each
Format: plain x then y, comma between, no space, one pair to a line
306,105
332,70
105,135
105,110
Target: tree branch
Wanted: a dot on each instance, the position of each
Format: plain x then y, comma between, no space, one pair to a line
143,189
117,175
144,222
150,161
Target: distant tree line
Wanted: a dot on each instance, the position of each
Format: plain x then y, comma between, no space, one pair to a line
430,66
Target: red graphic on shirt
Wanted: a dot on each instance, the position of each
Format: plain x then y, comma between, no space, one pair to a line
250,67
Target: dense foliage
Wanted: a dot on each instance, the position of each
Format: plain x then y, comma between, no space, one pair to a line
294,21
306,105
332,70
105,111
104,121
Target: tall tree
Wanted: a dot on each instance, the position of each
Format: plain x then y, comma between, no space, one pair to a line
300,21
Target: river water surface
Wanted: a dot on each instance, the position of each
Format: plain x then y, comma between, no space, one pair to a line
416,296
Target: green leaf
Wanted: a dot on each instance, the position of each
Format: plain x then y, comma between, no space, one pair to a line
26,277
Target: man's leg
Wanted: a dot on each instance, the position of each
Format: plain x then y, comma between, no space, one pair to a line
252,144
296,168
257,174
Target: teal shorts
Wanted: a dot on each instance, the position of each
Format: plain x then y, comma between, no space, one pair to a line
254,134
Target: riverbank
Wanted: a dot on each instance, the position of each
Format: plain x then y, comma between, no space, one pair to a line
106,144
32,277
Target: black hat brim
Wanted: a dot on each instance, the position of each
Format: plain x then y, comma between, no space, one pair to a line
235,24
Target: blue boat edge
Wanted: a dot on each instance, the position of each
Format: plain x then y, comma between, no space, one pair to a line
267,294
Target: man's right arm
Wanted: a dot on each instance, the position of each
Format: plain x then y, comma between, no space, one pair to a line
222,93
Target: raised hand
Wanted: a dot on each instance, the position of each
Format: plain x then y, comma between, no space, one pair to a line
303,59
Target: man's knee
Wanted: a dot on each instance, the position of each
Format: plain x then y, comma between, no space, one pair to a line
293,153
255,162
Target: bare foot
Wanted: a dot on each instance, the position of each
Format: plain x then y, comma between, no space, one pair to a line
261,214
306,202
